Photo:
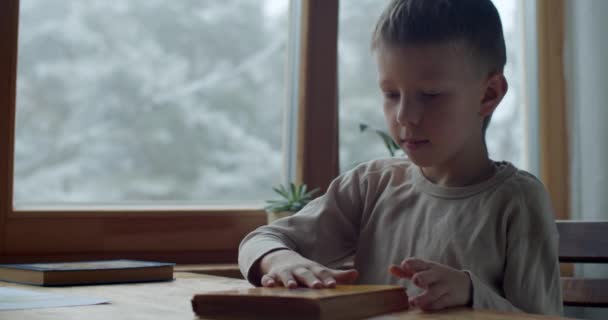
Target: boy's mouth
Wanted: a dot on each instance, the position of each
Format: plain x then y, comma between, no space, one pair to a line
413,144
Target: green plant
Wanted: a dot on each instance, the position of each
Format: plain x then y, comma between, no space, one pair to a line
292,199
390,144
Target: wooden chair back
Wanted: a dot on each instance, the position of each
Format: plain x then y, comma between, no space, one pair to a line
584,242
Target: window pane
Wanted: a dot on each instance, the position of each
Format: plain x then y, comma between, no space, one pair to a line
506,136
360,99
147,100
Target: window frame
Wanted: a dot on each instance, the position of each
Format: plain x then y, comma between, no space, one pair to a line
553,135
213,235
182,235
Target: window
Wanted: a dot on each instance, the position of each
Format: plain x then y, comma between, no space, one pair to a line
42,228
189,233
360,100
147,101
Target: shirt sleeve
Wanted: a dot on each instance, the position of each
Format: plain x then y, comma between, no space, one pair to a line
326,230
531,280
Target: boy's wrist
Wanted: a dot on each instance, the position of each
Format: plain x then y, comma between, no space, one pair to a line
267,260
469,300
257,270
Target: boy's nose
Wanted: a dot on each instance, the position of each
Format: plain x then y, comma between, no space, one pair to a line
408,113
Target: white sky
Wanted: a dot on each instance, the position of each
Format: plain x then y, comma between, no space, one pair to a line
274,8
506,8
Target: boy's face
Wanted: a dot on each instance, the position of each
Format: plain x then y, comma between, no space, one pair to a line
435,100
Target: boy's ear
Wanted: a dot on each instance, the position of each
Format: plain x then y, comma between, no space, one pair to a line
495,89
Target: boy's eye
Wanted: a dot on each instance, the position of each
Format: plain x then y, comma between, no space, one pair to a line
391,95
430,94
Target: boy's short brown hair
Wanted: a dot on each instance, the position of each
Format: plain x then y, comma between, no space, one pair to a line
418,22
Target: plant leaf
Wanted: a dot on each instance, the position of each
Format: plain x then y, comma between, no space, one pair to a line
311,193
303,188
281,191
390,144
294,197
292,188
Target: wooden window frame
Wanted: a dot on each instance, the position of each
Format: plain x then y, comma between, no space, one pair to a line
553,133
173,234
204,236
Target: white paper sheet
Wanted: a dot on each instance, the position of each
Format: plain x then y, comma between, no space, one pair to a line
14,299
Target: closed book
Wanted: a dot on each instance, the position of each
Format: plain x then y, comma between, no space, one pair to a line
86,272
340,303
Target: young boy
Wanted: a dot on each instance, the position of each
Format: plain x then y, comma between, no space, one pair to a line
467,231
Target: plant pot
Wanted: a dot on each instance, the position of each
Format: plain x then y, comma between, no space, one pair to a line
273,216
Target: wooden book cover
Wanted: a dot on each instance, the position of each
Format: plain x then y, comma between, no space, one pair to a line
342,302
86,272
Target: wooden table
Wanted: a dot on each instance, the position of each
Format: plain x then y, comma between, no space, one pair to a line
171,300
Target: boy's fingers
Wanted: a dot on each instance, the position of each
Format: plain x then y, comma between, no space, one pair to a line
428,297
415,265
425,279
326,277
288,280
400,273
345,276
305,276
268,281
441,303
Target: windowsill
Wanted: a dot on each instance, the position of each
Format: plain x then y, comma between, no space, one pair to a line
150,210
138,206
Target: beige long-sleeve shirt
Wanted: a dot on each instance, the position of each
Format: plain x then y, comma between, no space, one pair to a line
502,231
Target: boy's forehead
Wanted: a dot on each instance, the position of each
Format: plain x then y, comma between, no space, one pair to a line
429,61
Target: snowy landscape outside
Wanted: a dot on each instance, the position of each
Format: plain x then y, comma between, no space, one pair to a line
149,101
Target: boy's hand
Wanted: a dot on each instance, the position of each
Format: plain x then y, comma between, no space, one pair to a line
287,268
444,286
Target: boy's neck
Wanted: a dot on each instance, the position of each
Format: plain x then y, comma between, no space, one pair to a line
462,171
